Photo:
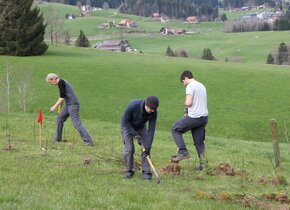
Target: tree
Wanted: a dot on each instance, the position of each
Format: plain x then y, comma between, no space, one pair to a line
22,31
24,89
169,52
6,82
282,54
270,59
67,38
224,17
6,8
181,53
82,40
207,55
54,22
105,6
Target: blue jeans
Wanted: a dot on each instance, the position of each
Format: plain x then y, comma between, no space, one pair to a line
73,112
197,128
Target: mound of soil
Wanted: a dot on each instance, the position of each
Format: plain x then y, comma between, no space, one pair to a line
275,180
279,197
227,169
241,199
224,169
172,168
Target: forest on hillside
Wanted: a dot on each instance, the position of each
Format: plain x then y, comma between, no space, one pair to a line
204,9
221,3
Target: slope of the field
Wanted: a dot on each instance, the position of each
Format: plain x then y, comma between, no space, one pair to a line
241,98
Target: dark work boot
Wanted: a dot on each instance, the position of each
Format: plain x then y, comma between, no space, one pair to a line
198,168
202,162
129,175
181,156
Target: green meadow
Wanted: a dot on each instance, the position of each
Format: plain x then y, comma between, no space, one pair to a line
250,47
243,96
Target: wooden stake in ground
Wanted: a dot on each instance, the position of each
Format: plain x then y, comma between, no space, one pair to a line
275,142
40,118
7,134
286,132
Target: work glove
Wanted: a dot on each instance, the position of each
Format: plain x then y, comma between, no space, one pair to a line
146,152
138,139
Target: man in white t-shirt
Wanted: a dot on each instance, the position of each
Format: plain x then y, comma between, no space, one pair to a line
195,119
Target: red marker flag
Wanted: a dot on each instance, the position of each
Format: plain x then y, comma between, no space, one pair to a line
40,118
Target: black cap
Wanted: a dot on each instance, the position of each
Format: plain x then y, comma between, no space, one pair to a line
152,102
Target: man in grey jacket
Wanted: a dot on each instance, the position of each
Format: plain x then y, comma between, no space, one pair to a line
195,119
133,126
71,109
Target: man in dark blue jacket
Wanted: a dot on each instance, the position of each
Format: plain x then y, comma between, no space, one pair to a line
133,126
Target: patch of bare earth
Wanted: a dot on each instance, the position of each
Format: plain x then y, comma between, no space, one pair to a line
227,169
172,168
246,201
279,179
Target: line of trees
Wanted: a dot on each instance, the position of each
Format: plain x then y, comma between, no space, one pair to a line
249,25
206,54
283,23
206,10
94,3
227,4
21,28
179,9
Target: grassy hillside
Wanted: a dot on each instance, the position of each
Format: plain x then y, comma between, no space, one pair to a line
241,98
252,47
72,176
62,8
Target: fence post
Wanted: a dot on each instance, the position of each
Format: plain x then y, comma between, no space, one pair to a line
275,142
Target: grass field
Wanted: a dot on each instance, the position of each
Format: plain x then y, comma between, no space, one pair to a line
71,176
242,98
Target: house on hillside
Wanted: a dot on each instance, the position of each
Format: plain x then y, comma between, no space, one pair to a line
167,31
265,15
127,24
113,45
251,16
191,19
86,8
278,14
156,17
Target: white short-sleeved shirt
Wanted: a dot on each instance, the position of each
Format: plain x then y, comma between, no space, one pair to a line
199,100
